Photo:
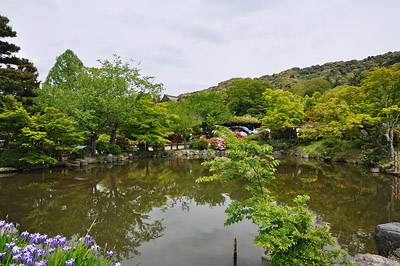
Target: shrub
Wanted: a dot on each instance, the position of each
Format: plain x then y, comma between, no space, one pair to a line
114,149
11,158
264,133
199,143
102,143
124,144
77,153
218,143
203,143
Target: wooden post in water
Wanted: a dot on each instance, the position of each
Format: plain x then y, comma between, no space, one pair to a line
234,252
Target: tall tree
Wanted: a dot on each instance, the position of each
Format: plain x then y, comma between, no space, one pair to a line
210,108
100,99
13,118
18,76
382,89
244,96
282,110
149,123
60,80
187,120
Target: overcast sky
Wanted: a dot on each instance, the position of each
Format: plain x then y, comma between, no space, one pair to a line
190,45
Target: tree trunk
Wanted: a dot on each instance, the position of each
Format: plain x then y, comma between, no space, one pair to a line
93,139
184,142
7,141
113,135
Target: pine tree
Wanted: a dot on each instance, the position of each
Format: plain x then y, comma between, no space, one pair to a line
18,76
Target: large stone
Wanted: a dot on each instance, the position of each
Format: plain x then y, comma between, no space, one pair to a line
109,158
373,260
387,238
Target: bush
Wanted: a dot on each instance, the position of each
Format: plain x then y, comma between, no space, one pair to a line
124,144
11,158
203,143
263,133
114,149
200,143
77,154
217,144
102,143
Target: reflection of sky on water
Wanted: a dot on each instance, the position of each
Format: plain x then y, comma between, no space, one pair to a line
198,237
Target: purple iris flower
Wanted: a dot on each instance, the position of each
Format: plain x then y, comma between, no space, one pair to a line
8,226
51,250
41,263
70,262
43,238
10,245
16,250
109,254
95,248
24,234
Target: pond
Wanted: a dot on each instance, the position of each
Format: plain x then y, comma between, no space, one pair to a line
152,212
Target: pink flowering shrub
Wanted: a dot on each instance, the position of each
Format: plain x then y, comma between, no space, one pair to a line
218,143
240,135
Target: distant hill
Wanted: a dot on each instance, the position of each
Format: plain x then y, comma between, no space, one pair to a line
337,73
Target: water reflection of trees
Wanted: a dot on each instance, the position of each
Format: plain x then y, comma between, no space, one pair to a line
120,198
347,197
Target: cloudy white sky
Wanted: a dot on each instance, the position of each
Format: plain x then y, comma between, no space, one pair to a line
190,45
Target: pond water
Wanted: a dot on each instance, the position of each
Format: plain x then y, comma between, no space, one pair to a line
152,212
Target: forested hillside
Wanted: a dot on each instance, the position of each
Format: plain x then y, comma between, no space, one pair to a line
336,73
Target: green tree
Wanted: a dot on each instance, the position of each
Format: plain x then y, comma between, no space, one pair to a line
282,110
149,123
60,81
382,89
244,96
187,121
210,108
13,118
99,99
309,87
18,76
288,233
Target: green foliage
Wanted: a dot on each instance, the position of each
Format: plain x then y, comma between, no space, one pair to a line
18,76
114,149
77,154
199,143
100,99
149,122
288,233
309,87
244,96
210,109
336,73
43,138
264,133
102,142
11,158
282,110
185,119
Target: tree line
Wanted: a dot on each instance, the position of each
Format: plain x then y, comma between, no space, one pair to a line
113,106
